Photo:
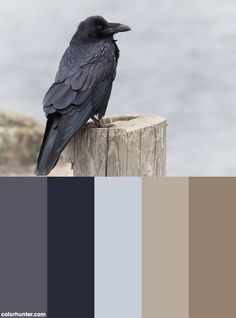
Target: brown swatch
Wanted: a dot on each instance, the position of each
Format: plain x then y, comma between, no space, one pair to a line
165,250
212,247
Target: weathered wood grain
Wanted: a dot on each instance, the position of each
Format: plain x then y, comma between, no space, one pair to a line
148,146
135,146
134,153
117,152
160,150
91,152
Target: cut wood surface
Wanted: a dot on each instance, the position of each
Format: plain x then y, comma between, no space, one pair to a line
134,146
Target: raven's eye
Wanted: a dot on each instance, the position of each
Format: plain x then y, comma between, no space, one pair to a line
100,27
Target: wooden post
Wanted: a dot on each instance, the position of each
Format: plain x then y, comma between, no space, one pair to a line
135,146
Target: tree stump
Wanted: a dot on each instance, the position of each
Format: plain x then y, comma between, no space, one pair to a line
135,146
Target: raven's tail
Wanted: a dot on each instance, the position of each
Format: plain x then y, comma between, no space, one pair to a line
59,130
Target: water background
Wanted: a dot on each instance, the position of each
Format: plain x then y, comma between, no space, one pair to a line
179,61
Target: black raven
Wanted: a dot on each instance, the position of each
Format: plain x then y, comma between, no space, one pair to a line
82,87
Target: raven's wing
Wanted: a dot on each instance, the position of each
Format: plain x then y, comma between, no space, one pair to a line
81,70
82,88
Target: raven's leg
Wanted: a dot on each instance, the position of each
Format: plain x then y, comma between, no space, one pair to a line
96,121
93,124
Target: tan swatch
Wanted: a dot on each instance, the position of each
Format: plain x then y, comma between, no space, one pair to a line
165,249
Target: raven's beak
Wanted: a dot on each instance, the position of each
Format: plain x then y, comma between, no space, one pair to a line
113,28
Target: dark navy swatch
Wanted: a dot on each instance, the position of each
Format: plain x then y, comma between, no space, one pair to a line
70,247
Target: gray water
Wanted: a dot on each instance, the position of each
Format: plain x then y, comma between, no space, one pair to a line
179,61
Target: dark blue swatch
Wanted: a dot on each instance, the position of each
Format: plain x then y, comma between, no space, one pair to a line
70,247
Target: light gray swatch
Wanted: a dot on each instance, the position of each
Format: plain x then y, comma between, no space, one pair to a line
118,247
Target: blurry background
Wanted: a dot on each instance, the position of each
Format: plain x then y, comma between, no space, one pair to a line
179,61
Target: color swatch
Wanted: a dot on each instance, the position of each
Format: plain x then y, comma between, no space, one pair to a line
118,247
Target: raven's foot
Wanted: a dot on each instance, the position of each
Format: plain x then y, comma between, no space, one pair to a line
106,125
91,125
99,123
102,125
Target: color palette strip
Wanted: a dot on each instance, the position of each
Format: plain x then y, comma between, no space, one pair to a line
118,247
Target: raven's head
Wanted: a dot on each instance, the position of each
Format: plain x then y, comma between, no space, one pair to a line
97,27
